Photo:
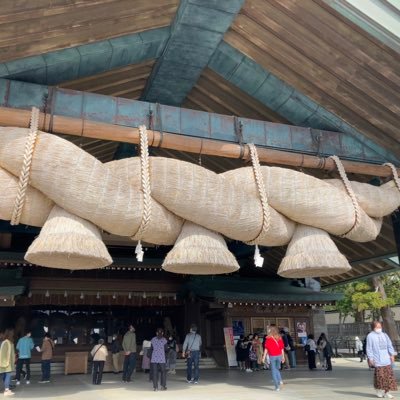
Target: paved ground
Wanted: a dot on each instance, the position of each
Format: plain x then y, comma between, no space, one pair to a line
349,380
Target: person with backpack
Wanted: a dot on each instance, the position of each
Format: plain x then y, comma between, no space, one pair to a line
99,354
47,354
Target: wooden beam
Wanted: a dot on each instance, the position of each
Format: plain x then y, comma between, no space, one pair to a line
104,131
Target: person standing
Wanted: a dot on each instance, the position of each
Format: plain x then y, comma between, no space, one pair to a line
7,360
274,349
129,347
359,348
320,351
327,352
99,354
47,354
116,348
311,349
291,349
146,346
171,356
241,353
191,350
24,347
380,353
159,346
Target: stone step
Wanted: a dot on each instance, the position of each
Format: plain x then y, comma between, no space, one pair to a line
58,367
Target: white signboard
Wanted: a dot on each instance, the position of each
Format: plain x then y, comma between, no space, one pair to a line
230,347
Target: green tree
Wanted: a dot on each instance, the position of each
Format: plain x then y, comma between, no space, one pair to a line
370,299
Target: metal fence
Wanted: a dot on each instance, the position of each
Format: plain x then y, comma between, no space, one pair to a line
351,330
343,340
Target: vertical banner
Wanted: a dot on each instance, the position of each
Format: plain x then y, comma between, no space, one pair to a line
230,347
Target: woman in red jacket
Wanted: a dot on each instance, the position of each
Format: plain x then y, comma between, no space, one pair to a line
274,348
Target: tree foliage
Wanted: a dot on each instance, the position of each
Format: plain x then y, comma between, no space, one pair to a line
361,297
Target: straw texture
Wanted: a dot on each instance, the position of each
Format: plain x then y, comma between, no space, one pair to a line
164,226
208,199
75,180
199,251
307,200
258,205
37,206
312,253
69,242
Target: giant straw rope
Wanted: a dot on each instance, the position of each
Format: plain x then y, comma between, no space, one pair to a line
148,198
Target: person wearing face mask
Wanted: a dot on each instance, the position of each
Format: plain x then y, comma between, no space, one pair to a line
191,350
380,353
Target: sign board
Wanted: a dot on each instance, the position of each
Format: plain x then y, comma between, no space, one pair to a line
230,347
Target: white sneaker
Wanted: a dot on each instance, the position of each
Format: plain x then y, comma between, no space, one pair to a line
28,382
277,389
8,392
281,382
380,394
18,383
249,370
389,396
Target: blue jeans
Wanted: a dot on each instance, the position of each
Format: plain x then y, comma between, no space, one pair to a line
193,362
46,366
292,358
129,366
275,365
7,380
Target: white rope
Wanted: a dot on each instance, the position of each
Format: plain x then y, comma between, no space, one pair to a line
350,192
26,168
146,189
394,173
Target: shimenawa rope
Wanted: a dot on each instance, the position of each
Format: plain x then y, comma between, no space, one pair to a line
264,204
350,192
146,189
26,167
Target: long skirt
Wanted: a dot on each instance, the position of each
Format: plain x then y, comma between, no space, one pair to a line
384,379
145,360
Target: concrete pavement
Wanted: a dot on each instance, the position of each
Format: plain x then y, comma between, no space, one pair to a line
349,380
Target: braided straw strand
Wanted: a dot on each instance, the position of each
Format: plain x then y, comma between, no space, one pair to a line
26,168
263,195
145,182
394,173
350,192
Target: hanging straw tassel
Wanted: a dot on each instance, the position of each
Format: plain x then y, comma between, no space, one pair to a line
199,251
258,260
146,189
69,242
312,253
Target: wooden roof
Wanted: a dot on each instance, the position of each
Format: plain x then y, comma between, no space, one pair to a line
33,27
312,47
